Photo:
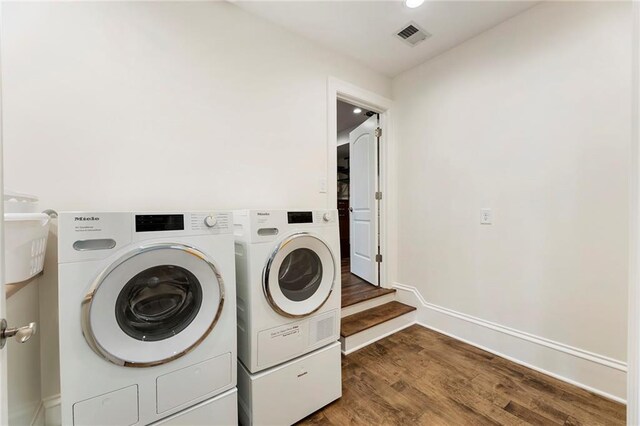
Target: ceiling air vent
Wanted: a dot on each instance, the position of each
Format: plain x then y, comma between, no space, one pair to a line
412,34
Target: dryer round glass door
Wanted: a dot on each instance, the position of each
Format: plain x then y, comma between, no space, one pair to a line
299,275
153,305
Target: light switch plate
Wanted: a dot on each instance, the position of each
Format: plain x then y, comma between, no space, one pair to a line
323,185
486,216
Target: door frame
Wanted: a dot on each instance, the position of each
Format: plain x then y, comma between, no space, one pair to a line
633,320
344,91
4,414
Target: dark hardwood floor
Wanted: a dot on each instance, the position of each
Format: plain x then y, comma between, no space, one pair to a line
420,377
356,290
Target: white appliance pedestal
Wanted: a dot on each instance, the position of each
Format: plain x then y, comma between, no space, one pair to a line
289,392
220,411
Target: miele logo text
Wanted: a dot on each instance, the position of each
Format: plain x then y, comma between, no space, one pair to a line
263,214
86,218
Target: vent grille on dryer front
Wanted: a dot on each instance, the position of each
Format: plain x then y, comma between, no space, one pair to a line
324,328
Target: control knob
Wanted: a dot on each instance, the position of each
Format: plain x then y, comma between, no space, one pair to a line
326,217
210,221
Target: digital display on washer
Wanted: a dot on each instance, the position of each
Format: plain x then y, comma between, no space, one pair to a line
300,217
159,222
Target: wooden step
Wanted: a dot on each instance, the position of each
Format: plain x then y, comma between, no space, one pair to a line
361,292
367,304
364,320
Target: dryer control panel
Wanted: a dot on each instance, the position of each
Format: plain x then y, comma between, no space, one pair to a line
316,216
268,225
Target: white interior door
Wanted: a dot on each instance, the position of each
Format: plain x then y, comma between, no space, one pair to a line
362,202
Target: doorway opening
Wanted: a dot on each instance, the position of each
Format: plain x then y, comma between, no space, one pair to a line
366,140
358,196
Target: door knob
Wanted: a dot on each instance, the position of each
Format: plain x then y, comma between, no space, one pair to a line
22,334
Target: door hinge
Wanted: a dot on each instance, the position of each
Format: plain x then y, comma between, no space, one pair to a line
378,195
378,258
378,132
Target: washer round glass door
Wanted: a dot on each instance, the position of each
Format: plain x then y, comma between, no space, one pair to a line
153,305
298,278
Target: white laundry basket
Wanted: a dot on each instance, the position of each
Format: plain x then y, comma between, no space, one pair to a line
25,237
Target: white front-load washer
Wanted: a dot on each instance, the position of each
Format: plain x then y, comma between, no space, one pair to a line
147,317
288,301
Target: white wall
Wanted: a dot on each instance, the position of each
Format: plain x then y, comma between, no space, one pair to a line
533,120
165,105
158,106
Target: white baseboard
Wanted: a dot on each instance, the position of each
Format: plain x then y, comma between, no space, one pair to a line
52,414
366,337
38,416
594,372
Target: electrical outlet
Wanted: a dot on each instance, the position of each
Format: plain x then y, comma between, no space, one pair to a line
486,216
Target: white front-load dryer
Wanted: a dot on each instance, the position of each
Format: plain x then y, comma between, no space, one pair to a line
288,301
147,317
288,284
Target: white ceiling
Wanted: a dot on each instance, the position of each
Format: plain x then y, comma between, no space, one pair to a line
365,30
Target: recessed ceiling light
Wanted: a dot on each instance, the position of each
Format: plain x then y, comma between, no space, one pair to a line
412,4
357,111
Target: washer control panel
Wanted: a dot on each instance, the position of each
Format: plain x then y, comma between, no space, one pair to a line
159,222
95,235
299,217
212,222
188,223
